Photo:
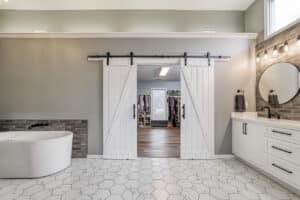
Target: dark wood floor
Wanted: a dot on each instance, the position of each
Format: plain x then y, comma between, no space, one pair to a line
159,142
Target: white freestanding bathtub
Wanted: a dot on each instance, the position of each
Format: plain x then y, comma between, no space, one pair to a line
34,154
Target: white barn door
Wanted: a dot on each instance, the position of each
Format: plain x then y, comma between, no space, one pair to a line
197,121
119,110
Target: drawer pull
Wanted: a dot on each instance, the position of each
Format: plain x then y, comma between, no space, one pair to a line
283,169
280,149
281,132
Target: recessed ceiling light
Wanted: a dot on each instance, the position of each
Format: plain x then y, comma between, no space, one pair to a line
164,71
5,1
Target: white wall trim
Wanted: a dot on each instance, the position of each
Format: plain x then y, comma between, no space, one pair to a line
94,156
221,156
175,35
224,156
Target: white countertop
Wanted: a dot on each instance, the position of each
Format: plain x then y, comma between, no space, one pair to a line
252,117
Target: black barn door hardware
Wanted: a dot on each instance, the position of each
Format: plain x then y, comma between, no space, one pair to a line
107,58
134,108
185,56
183,111
131,58
208,58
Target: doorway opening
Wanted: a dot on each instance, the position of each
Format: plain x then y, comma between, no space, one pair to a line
158,110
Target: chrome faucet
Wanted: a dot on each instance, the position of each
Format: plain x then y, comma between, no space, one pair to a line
268,108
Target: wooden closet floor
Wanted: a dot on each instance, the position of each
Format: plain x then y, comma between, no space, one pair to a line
159,142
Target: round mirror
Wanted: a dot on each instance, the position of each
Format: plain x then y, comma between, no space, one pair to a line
279,83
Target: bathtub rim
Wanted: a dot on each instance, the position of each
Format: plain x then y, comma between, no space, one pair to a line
34,140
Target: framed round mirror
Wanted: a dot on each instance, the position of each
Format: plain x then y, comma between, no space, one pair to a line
279,83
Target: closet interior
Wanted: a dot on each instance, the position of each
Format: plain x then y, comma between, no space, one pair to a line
173,109
158,111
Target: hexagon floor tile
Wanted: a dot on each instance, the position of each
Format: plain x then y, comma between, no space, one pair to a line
146,179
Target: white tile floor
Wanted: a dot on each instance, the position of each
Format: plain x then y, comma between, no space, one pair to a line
93,179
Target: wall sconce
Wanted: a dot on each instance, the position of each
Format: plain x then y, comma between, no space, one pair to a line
286,46
257,58
275,51
266,54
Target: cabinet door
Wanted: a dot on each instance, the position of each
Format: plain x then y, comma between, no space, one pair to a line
239,139
256,144
248,142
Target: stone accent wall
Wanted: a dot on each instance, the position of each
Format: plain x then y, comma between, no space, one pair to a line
290,110
78,127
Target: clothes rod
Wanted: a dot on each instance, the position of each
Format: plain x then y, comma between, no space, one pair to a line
132,56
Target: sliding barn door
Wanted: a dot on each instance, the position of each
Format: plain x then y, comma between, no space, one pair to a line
197,121
119,110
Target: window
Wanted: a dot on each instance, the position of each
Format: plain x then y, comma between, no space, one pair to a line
281,13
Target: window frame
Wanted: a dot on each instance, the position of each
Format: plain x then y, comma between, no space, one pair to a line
269,14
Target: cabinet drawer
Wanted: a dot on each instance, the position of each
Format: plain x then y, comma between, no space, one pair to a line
284,150
285,134
285,171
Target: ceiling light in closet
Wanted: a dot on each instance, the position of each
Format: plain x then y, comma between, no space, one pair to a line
164,71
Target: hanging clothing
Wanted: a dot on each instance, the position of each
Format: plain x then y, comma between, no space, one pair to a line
144,103
147,103
141,102
172,105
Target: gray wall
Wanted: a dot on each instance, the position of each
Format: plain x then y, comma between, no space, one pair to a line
121,21
51,78
144,87
254,19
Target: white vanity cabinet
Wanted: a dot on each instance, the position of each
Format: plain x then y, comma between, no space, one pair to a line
248,142
270,145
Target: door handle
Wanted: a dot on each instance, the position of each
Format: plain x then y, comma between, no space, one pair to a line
134,114
281,149
281,168
282,133
245,128
183,111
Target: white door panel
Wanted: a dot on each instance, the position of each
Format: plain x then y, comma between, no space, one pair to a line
197,127
119,100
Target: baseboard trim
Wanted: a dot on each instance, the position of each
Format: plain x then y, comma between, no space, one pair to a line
225,156
94,156
221,156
